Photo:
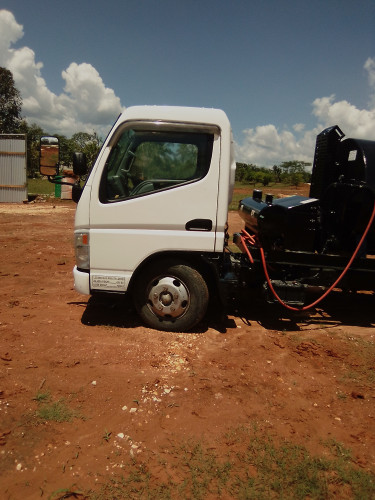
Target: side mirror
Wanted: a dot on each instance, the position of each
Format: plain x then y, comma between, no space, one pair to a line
49,156
79,164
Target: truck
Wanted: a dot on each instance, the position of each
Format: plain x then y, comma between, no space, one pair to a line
151,219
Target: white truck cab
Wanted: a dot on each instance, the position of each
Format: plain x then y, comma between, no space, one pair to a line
153,208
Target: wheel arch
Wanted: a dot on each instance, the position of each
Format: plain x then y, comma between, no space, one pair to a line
199,261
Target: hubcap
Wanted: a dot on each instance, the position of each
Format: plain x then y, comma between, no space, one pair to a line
168,297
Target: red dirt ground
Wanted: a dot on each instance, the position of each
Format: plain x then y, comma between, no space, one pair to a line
306,378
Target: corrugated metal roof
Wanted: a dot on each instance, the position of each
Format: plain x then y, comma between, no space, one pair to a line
13,186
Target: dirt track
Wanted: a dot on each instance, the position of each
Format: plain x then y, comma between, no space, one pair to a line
137,393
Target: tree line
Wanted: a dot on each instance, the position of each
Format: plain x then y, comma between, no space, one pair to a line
288,172
11,122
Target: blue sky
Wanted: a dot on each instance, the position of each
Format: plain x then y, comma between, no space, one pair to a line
281,70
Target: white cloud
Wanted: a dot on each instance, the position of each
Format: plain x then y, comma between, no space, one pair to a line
298,127
266,145
10,32
354,122
370,68
85,86
86,103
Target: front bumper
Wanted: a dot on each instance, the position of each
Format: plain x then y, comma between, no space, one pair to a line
81,281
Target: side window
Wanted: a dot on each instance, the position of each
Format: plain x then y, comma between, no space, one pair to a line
143,162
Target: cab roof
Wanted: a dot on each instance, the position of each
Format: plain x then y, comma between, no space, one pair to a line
180,114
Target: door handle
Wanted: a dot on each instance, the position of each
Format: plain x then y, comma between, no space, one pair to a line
199,225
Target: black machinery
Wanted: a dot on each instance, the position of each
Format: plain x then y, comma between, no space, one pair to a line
308,240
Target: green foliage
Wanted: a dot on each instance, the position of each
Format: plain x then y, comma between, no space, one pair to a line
66,150
56,411
267,177
277,171
294,166
10,103
295,172
246,172
107,435
89,144
296,178
33,134
288,172
42,397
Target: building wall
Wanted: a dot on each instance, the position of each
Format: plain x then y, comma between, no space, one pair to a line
13,187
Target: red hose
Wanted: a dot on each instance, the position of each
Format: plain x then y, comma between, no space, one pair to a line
243,241
330,288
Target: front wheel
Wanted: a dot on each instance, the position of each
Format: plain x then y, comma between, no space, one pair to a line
171,296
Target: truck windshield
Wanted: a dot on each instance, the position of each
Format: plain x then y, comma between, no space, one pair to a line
145,161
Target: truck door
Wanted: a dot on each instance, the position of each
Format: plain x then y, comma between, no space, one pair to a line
156,192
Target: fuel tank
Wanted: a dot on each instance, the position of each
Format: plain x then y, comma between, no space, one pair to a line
283,224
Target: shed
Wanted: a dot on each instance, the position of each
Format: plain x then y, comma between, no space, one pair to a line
13,187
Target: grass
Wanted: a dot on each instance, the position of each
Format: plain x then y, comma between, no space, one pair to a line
236,198
362,370
56,411
40,186
254,467
42,397
107,435
246,190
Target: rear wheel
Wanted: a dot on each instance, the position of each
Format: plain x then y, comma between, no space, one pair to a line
171,296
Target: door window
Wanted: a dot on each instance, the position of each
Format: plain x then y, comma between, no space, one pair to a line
143,162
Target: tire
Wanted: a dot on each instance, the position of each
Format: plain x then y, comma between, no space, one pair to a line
170,296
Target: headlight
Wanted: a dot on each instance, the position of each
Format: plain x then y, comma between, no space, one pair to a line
82,250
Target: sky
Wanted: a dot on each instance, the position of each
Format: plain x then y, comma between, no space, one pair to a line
282,70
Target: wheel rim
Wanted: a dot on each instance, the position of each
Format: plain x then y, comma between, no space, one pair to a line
168,297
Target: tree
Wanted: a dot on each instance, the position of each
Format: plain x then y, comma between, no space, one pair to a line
249,176
277,173
259,176
67,148
10,103
90,144
267,178
33,133
295,178
295,166
294,172
240,171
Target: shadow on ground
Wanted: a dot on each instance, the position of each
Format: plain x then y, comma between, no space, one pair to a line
338,308
110,310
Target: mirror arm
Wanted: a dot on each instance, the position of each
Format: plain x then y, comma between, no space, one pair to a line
58,181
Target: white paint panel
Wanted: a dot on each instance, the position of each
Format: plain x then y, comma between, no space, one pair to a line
124,234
